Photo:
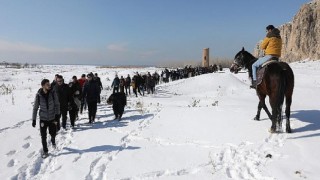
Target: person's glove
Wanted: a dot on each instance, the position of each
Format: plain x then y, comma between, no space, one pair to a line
34,123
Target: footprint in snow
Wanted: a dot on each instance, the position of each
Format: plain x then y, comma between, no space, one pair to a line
76,158
27,138
31,154
11,163
12,152
26,146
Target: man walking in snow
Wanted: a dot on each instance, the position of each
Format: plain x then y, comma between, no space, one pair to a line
91,91
65,99
122,84
98,80
115,84
48,102
127,84
75,89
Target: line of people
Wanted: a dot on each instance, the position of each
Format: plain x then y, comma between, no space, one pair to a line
56,99
139,83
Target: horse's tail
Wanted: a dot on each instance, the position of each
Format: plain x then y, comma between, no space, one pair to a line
281,93
282,88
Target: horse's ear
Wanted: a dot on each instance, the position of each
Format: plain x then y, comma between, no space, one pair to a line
242,49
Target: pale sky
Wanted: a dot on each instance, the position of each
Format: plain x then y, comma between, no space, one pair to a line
134,32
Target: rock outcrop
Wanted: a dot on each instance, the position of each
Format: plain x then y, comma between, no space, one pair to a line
301,37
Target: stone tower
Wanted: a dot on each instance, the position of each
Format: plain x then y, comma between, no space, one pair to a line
205,57
257,51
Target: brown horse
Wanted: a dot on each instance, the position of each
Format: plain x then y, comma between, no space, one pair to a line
277,83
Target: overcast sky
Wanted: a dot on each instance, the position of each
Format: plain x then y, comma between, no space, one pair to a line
134,32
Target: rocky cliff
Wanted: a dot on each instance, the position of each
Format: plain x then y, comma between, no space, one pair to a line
301,37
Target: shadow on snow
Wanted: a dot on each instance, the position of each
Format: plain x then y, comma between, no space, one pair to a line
103,148
308,116
111,123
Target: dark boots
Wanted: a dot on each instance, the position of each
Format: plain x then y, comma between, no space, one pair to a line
254,84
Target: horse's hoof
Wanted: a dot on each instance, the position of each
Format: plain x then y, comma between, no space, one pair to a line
256,118
272,130
288,130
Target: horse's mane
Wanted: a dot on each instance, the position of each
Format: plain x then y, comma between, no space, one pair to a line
249,59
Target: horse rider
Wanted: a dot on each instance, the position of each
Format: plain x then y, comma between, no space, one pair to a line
271,45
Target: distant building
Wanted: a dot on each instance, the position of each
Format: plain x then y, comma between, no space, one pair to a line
205,57
258,52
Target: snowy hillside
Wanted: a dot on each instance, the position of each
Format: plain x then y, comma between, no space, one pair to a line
196,128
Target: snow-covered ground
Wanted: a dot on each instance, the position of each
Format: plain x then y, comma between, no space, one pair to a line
196,128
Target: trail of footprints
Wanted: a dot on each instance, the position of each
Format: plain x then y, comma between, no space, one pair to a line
99,166
243,161
13,162
18,125
37,167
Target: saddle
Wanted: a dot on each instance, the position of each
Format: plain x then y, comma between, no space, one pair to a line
264,66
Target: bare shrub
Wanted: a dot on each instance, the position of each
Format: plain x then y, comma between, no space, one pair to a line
6,89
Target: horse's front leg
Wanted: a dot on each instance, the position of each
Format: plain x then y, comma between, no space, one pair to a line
262,104
257,118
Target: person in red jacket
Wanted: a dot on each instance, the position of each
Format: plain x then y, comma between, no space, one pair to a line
82,81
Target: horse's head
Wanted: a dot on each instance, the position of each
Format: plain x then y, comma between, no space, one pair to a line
242,59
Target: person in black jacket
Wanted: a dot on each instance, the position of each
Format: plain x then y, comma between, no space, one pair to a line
122,84
140,83
91,93
152,84
135,83
54,82
118,101
65,99
96,78
75,90
115,84
48,102
127,84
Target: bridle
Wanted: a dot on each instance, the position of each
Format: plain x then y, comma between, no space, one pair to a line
235,66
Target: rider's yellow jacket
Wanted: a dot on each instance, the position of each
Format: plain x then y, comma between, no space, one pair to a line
272,44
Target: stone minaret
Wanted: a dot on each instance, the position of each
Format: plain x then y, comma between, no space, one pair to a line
205,57
258,52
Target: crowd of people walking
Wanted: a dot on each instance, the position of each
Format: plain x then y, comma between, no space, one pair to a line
57,99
